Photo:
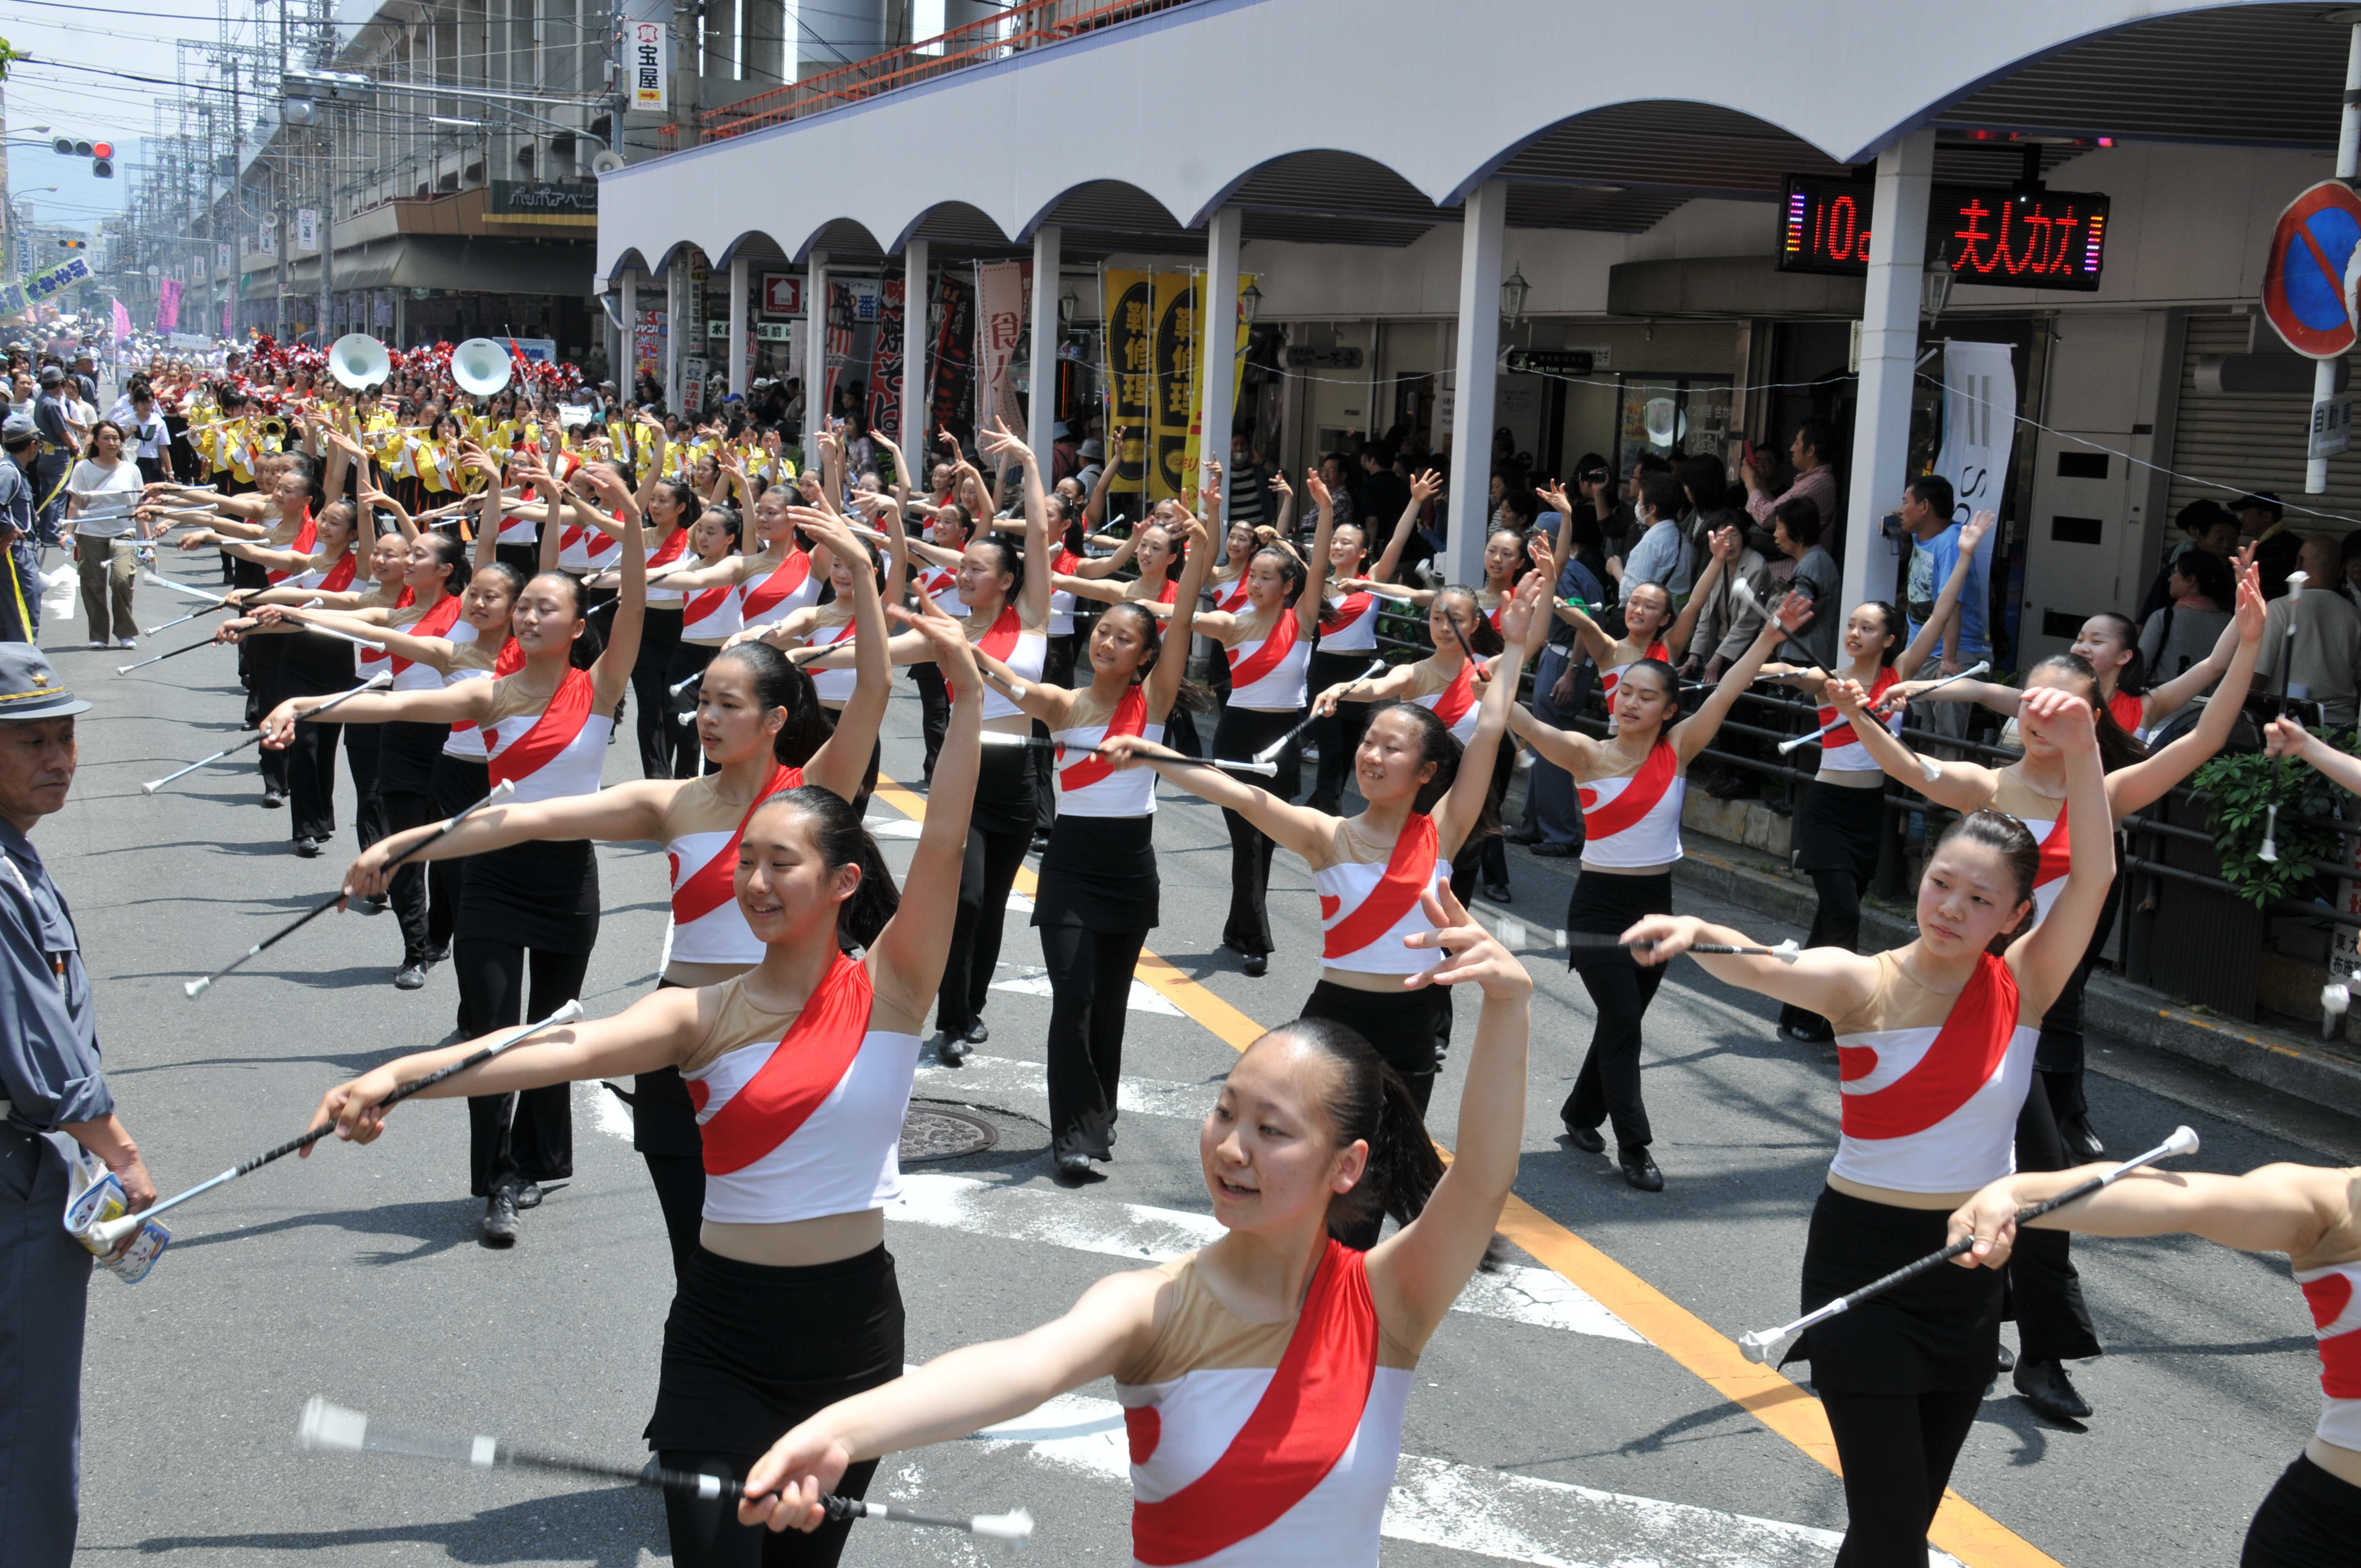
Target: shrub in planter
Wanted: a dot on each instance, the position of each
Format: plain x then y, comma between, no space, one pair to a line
2238,791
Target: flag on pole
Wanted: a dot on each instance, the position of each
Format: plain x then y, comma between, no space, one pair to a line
122,322
167,305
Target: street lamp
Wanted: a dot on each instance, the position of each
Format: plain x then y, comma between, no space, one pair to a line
1250,302
1513,295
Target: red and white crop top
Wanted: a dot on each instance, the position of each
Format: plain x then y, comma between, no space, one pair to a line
1061,600
834,687
374,660
2333,1294
1349,625
1023,651
711,615
2044,816
1840,750
328,576
583,548
1933,1083
667,555
1267,674
1265,1444
800,1113
1634,819
1369,898
470,662
1609,680
1230,598
409,675
942,583
551,752
1087,786
707,927
781,591
1453,697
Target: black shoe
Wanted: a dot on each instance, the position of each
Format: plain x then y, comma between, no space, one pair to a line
528,1194
308,848
2005,1358
1497,892
1258,965
1587,1139
977,1033
411,976
376,902
1073,1169
1639,1170
950,1050
499,1225
433,956
1805,1035
2047,1389
2082,1145
273,799
1528,839
1554,852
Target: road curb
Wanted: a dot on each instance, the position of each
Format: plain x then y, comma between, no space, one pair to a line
2136,1014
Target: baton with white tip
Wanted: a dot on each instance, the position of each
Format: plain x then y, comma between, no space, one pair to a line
333,1429
143,664
1276,746
1841,723
1037,744
203,983
182,620
1757,1346
2269,852
112,1232
378,681
191,590
1787,952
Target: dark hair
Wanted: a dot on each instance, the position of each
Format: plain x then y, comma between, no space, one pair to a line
2017,848
1802,516
453,554
1368,1103
1671,680
1704,480
2212,574
779,682
2118,748
1290,568
841,841
1894,627
960,515
1482,636
1662,494
1819,438
1936,492
683,496
2202,517
121,440
1651,463
501,569
586,648
1590,463
729,519
1012,560
2132,679
1436,744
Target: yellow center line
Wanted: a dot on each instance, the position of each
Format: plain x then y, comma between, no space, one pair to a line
1961,1529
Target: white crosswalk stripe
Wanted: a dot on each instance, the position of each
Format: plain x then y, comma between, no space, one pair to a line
1032,979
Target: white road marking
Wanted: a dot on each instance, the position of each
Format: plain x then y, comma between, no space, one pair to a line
892,827
1032,979
1003,1076
1141,1234
1468,1507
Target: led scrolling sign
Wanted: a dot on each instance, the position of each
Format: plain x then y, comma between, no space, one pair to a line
2026,239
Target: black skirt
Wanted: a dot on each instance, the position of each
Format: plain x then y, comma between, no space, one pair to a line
1411,1029
310,664
1605,905
1244,731
1005,801
541,895
458,784
1837,829
750,1351
1939,1332
1099,872
407,756
2311,1520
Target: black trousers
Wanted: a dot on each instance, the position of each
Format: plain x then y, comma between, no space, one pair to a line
362,743
1057,670
257,666
2059,1058
1247,929
2311,1520
1835,924
425,894
934,712
528,1135
1089,992
1898,1450
2045,1289
664,1131
658,731
1608,1086
1339,735
993,858
686,659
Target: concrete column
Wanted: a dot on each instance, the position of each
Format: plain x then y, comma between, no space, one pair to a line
737,325
625,364
915,342
678,347
1889,354
815,351
1217,381
1041,406
1474,379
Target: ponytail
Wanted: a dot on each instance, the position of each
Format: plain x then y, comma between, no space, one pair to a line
2118,747
780,682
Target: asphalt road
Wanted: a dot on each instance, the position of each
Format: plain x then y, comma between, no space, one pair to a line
1547,1428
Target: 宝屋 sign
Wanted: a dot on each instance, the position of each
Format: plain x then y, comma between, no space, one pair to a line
651,65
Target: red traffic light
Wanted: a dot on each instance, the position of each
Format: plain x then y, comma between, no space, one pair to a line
102,149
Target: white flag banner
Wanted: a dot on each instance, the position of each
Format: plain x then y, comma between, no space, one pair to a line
999,322
307,229
1979,429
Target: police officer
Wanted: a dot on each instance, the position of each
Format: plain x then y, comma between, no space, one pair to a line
58,448
57,1106
20,564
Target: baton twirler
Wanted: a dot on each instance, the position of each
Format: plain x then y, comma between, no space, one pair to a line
198,986
1841,723
1271,752
383,679
1757,1346
335,1428
112,1232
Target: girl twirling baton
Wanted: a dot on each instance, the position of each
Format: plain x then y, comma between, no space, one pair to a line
545,728
2312,1516
1934,1042
802,1068
1264,1378
1631,786
761,728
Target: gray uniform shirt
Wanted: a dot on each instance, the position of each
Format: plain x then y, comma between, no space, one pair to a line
49,1028
16,498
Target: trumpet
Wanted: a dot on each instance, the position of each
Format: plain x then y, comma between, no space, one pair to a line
270,427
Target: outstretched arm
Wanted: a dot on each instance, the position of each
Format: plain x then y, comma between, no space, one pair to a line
1695,732
2144,782
906,963
2044,957
1296,828
1962,786
1460,807
2280,1208
2288,738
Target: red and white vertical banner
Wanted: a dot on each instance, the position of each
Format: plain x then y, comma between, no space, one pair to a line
1001,287
886,370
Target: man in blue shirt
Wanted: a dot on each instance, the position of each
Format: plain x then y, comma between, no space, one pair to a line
56,1105
1927,503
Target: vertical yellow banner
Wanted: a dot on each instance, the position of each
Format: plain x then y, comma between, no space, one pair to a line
1131,361
1197,335
1174,387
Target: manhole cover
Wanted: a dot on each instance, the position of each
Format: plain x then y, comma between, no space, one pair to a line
929,1134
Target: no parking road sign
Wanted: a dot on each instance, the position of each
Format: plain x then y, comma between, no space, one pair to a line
2303,285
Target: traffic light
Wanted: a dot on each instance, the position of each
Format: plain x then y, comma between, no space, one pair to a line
72,244
100,153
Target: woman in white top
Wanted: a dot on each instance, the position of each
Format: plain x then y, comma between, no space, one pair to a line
1264,1378
1935,1042
802,1067
102,490
1348,638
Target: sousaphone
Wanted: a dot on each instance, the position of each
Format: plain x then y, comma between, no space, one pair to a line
358,361
481,366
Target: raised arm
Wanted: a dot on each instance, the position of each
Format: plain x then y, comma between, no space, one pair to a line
2044,959
1695,732
2144,782
1587,631
842,759
612,672
1908,662
1416,1274
1173,662
1421,489
1307,603
1683,627
1456,813
1033,605
907,962
1107,565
